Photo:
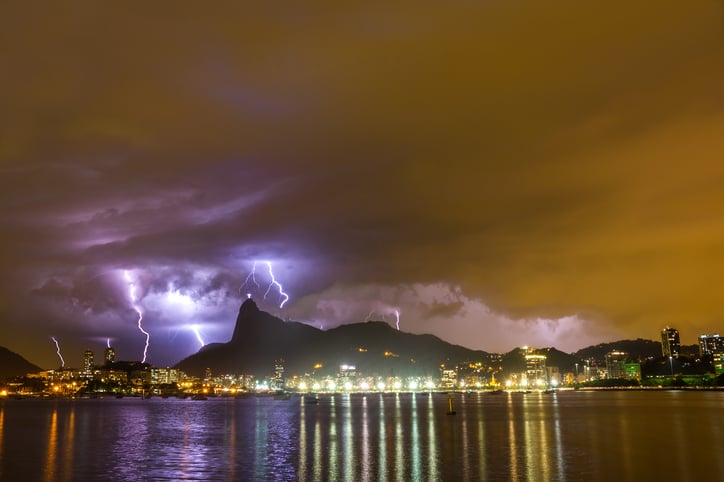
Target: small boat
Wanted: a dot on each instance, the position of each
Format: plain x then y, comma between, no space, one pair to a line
311,400
199,396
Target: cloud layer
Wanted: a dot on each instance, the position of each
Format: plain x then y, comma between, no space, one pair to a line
501,173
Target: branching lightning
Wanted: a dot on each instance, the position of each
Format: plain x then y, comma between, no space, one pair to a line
134,304
251,277
57,350
277,284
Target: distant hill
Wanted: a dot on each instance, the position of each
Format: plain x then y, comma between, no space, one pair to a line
12,365
373,347
638,349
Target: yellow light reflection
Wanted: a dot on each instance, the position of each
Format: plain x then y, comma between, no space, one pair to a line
511,437
415,440
432,446
50,457
333,468
302,472
399,441
347,440
382,467
317,451
481,447
466,447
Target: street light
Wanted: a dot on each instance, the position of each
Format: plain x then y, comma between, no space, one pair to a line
671,364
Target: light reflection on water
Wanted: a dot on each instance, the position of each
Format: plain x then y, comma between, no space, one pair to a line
51,451
513,436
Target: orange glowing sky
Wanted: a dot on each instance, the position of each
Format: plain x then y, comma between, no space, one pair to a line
503,173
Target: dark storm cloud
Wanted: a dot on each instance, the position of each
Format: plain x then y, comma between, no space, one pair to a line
553,167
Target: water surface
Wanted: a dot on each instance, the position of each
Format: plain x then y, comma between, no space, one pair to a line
602,435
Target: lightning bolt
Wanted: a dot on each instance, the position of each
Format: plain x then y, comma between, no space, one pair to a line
57,350
195,329
397,317
274,282
251,277
134,304
108,342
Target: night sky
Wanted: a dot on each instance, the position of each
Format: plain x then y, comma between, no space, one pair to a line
502,173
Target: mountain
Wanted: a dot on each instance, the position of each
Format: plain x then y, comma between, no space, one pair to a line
638,349
13,365
373,347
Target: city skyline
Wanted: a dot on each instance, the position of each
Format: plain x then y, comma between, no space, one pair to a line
707,344
493,174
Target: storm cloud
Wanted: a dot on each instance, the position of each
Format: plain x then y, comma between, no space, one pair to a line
499,173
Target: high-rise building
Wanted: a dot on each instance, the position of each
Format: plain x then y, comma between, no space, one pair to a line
448,377
88,363
711,344
670,345
278,378
535,369
347,376
615,361
109,355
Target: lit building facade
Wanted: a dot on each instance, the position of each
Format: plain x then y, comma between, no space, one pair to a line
615,361
535,369
631,371
711,344
448,377
166,375
109,355
719,363
670,344
87,363
277,382
347,376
